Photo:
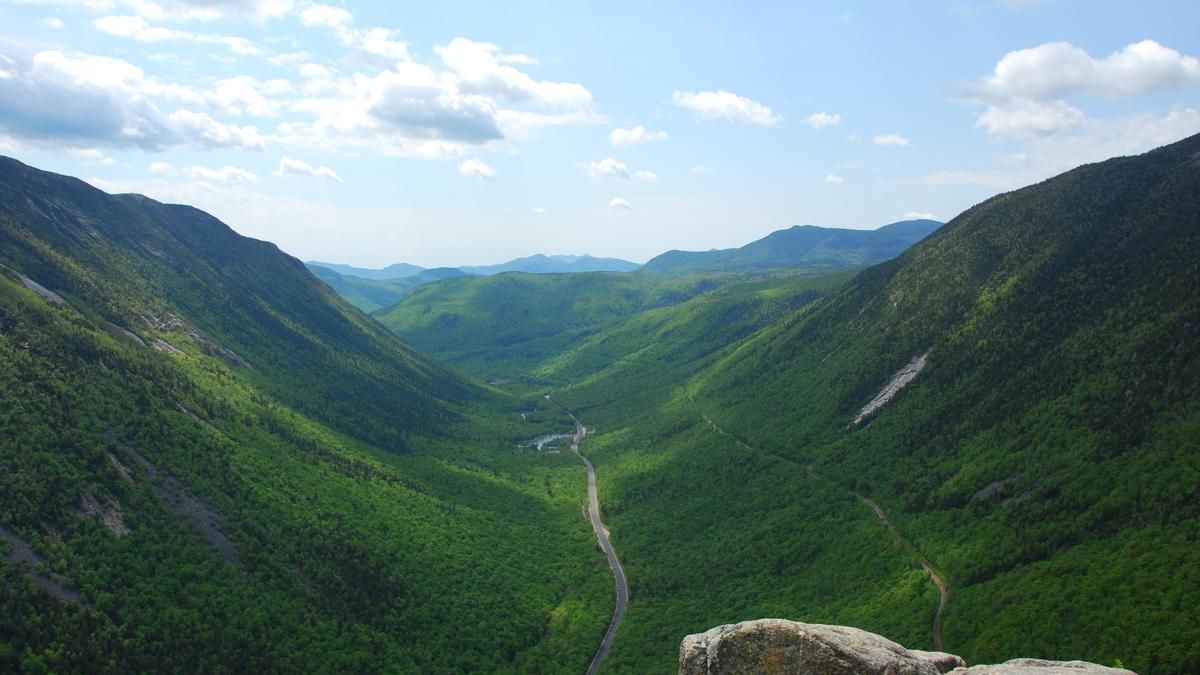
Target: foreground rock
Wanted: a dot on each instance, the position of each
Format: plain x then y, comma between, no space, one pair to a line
792,648
1040,667
779,646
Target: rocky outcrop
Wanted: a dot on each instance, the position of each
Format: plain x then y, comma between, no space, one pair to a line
791,648
1040,667
779,646
899,381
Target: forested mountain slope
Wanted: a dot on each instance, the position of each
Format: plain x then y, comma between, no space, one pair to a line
505,326
209,462
1043,459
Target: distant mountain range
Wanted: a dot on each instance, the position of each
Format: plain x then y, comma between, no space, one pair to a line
800,246
534,264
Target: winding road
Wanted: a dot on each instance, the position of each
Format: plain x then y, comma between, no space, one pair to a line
938,580
593,510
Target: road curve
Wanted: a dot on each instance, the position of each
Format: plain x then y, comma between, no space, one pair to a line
606,545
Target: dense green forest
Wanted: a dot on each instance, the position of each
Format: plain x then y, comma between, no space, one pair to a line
1044,461
211,463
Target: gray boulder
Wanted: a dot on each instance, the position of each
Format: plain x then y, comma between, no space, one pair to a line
783,647
1040,667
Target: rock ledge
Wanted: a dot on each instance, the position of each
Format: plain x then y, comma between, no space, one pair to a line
791,648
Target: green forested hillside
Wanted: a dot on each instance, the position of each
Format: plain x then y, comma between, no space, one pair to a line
1044,460
211,463
504,326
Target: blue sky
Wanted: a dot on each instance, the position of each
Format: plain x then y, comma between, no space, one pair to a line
470,133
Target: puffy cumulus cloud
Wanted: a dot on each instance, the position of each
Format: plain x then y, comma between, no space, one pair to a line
84,101
635,135
645,176
295,167
820,120
244,95
620,203
376,44
137,28
539,210
607,168
728,106
1058,69
916,215
895,140
1025,95
474,167
479,68
834,179
53,22
420,106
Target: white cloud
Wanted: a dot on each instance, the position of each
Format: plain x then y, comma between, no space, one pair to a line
1024,118
227,173
892,139
325,15
699,170
642,176
80,100
914,215
93,155
607,168
635,135
160,167
417,110
198,10
244,95
820,120
834,179
53,22
139,29
1025,95
474,167
539,210
620,203
1058,69
479,69
1092,140
295,167
728,106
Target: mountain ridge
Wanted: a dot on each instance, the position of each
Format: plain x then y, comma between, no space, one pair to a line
799,246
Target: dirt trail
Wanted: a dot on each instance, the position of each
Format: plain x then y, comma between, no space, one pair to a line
938,580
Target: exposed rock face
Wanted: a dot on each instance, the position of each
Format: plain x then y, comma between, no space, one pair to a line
779,646
791,648
1040,667
899,381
